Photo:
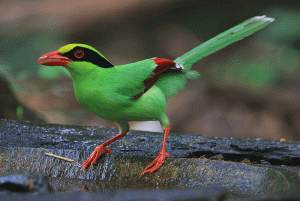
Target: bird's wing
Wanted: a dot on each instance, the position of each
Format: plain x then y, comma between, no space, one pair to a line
137,78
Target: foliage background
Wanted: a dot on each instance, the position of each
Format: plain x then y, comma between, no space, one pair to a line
249,89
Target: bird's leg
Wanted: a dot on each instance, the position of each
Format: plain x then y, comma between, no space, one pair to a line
100,150
159,160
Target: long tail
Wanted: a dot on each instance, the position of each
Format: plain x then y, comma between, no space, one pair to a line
232,35
170,83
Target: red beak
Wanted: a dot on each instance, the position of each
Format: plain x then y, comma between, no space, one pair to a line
56,59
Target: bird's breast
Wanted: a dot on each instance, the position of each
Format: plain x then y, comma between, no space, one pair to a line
101,101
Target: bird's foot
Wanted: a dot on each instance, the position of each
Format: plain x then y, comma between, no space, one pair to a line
95,155
157,163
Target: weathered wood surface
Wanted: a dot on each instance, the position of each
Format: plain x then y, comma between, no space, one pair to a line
23,147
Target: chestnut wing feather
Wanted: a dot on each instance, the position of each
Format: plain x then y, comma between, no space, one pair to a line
163,66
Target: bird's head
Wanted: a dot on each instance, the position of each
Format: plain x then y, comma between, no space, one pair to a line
74,55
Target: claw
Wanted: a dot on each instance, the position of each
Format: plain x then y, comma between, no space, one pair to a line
157,163
95,156
160,159
100,150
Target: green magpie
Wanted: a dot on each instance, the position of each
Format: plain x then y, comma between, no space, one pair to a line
136,91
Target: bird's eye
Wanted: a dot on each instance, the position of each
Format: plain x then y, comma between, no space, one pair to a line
79,54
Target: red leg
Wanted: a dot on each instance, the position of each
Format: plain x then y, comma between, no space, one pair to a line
100,150
159,160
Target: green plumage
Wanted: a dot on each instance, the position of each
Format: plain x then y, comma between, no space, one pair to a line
136,91
171,84
220,41
108,92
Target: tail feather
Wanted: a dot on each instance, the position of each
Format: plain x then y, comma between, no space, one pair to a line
171,83
228,37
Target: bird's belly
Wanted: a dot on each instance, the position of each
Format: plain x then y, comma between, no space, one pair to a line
150,106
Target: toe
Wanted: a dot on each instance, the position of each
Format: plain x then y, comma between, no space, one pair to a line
167,155
108,151
156,164
95,156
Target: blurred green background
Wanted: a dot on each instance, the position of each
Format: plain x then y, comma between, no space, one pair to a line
249,89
